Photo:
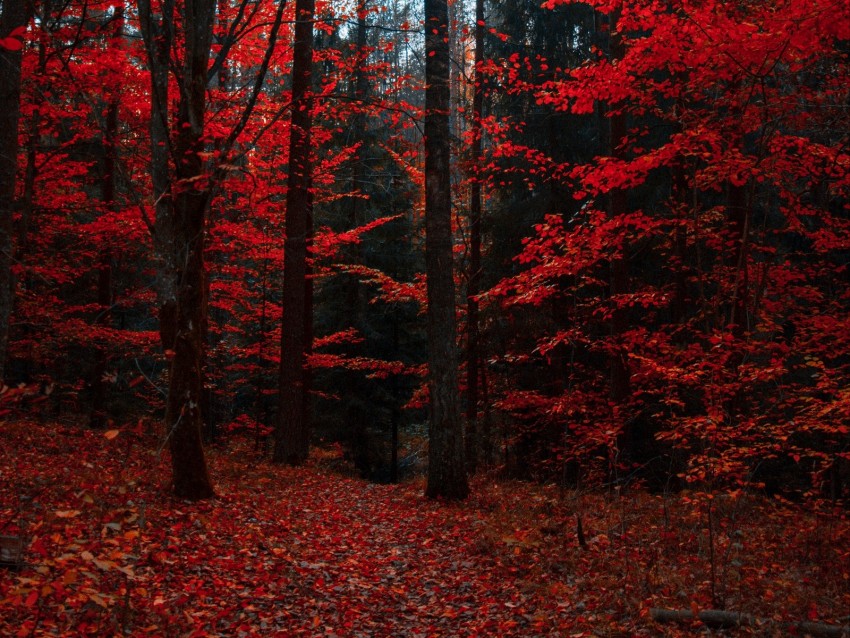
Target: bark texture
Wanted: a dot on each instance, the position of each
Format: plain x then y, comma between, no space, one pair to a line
446,455
182,202
292,434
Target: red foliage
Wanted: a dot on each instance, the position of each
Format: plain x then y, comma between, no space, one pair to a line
721,330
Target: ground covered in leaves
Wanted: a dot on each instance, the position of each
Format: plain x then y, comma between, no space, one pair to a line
307,552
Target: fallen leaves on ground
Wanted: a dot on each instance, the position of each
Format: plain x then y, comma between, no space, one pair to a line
307,552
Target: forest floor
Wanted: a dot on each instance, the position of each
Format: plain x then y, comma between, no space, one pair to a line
308,552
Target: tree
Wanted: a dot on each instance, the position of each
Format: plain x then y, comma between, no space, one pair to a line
181,192
98,416
355,405
183,188
446,454
292,434
13,19
527,144
720,150
473,287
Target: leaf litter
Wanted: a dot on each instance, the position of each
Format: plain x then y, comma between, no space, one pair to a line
307,552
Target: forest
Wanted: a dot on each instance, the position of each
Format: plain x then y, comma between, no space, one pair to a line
438,318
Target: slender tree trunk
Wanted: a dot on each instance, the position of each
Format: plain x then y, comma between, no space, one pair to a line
259,385
473,335
619,267
446,455
307,372
292,435
158,37
487,434
15,14
356,217
31,169
98,414
678,304
25,206
357,415
395,415
738,216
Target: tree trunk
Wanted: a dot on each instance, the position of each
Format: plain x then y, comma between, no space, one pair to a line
260,409
619,268
98,414
182,204
183,188
738,216
292,435
473,336
183,415
190,193
15,14
678,305
395,415
158,37
446,462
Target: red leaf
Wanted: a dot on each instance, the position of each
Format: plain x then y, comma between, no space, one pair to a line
11,44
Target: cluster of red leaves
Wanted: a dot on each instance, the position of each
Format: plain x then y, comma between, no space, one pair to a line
285,551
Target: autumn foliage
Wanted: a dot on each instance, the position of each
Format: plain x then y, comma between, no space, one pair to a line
641,253
705,257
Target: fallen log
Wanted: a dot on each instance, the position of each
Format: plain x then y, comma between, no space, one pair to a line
719,619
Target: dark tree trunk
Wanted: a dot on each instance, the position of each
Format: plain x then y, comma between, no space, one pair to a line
446,455
619,268
292,435
678,305
473,336
190,193
15,14
183,415
359,93
182,205
98,415
395,415
738,215
260,409
487,434
158,37
183,188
